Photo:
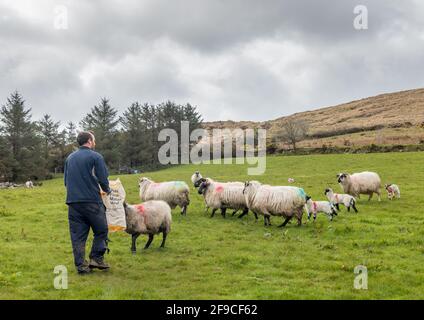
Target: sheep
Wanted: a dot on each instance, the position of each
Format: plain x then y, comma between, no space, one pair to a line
313,207
175,193
196,179
151,217
224,195
360,183
275,200
337,198
29,184
392,191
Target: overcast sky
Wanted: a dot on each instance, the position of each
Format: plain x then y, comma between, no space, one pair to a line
233,59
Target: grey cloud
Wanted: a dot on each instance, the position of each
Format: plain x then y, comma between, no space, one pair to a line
195,51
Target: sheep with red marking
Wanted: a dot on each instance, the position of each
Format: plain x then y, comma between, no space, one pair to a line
223,195
315,207
392,191
151,217
174,193
339,198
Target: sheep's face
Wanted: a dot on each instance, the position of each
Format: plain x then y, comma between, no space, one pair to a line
328,190
203,186
341,177
142,180
199,182
247,184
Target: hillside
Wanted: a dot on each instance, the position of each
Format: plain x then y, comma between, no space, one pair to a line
386,119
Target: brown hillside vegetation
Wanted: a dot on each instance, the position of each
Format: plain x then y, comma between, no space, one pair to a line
386,119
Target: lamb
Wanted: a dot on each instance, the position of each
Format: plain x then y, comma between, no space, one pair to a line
392,191
224,195
151,217
275,200
360,183
29,184
175,193
314,207
337,198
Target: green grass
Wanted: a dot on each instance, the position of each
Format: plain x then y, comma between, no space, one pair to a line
216,258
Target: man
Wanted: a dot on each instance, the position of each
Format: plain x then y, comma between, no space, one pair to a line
85,169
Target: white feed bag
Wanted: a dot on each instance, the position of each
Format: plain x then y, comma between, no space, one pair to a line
114,203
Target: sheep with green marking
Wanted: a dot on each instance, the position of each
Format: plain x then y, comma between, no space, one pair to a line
174,193
282,201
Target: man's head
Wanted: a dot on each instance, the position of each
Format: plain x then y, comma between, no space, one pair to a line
86,139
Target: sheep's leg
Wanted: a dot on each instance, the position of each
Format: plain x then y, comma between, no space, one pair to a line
354,208
370,196
256,216
285,222
133,242
245,211
348,209
163,239
379,195
338,207
234,212
213,212
184,211
223,210
149,241
267,220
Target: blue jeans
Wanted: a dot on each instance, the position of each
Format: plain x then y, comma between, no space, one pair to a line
82,217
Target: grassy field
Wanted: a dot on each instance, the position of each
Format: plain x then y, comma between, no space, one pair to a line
216,258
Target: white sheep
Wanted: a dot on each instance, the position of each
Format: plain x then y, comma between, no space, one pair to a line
360,183
314,207
151,217
224,195
392,191
175,193
338,198
29,184
196,179
269,200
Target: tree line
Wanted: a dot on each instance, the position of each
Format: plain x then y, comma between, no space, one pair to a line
37,149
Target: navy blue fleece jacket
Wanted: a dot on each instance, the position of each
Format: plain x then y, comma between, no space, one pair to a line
85,169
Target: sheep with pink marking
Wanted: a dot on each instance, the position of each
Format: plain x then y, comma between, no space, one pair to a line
174,193
223,195
151,218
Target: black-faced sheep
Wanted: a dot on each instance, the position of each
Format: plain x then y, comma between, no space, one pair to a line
360,183
151,217
275,200
338,198
224,195
174,193
392,191
314,207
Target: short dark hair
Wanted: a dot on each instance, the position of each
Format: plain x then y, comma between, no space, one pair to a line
83,137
